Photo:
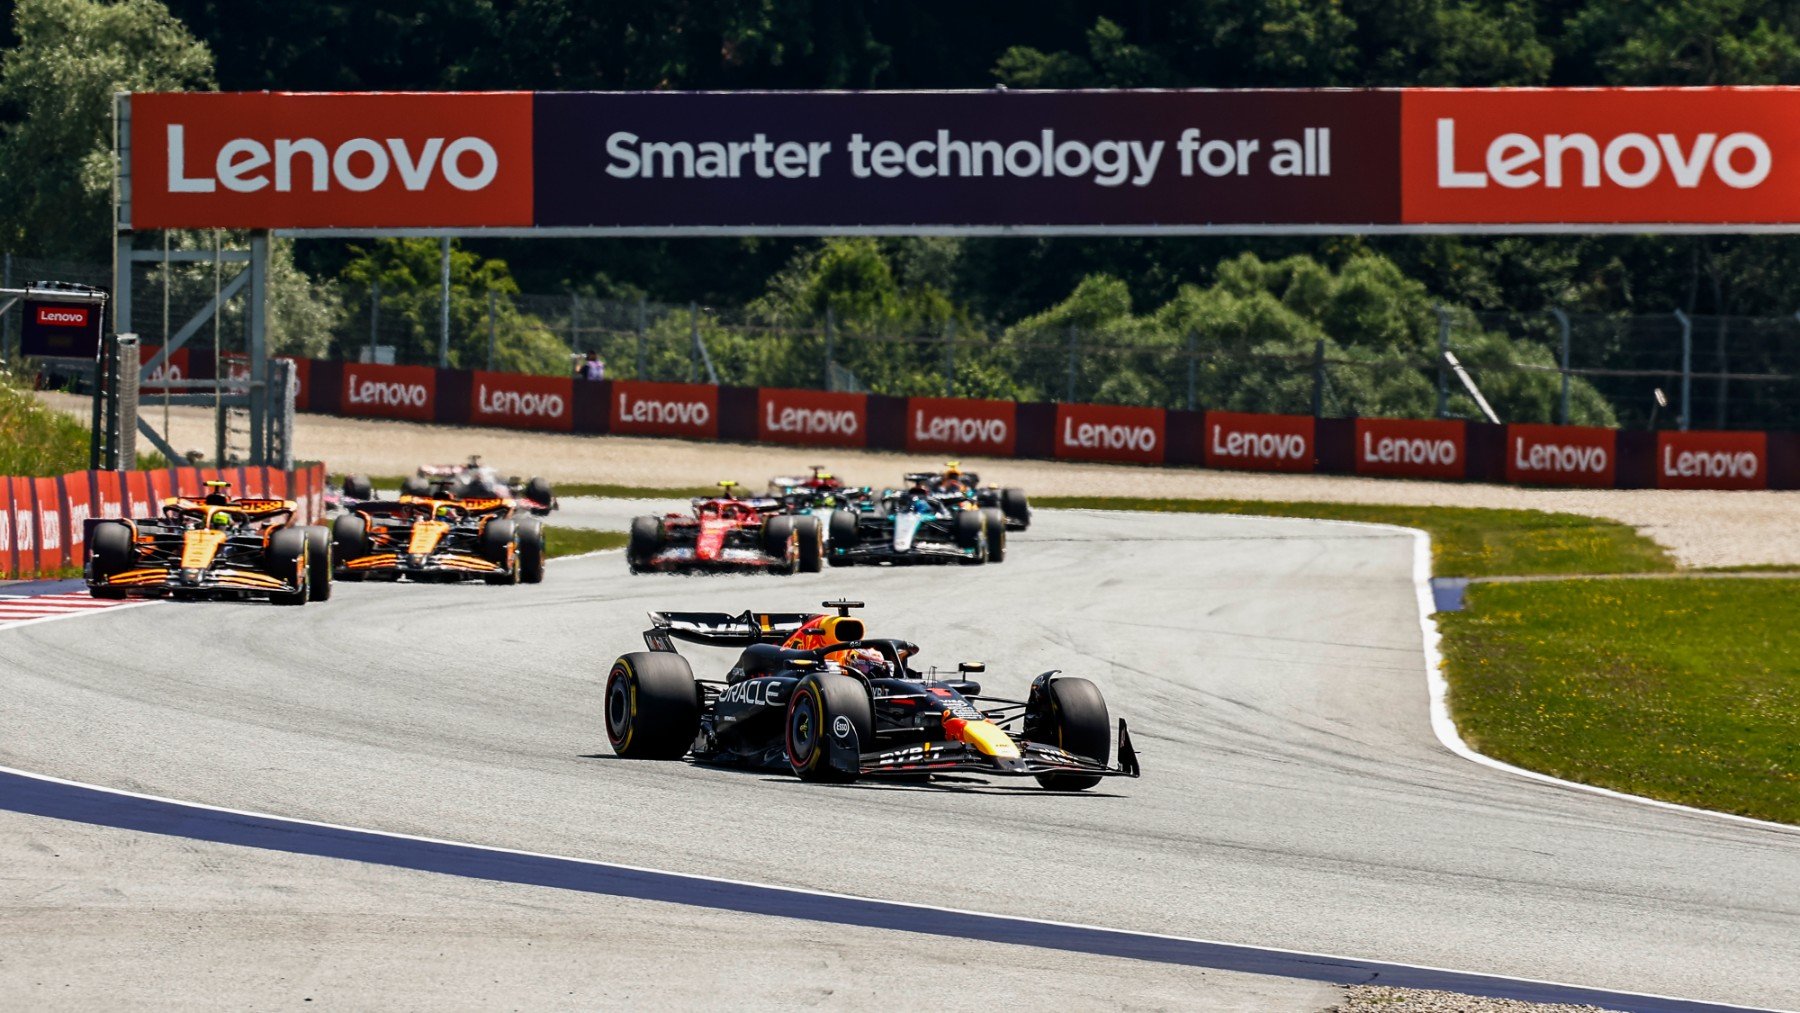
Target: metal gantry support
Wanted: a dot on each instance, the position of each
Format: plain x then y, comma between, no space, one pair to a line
1687,369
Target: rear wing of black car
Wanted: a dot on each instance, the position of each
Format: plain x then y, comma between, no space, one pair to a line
721,629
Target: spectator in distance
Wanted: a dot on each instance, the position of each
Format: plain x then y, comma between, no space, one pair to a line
593,369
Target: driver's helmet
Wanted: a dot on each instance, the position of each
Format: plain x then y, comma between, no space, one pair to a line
921,504
952,485
441,512
868,663
218,519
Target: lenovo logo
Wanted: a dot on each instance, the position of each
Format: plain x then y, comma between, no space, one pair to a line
492,401
62,316
388,394
1631,160
960,431
664,413
360,164
810,421
1091,436
1715,464
1408,451
1267,446
1555,458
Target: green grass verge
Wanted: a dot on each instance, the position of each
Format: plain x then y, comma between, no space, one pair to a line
1687,691
1466,541
561,541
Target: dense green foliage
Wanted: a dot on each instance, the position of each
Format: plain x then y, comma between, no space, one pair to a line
61,59
36,440
1684,690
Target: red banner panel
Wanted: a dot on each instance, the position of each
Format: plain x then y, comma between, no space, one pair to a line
25,525
1600,155
78,506
390,392
1712,460
140,500
523,402
1412,448
960,425
278,484
273,159
812,418
302,377
175,367
53,546
161,485
1561,455
110,493
9,561
1259,442
1093,432
642,408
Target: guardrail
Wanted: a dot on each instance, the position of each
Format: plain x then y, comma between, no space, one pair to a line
43,521
1403,448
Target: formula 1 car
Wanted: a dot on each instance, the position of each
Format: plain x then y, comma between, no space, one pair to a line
954,482
817,495
473,480
431,539
212,547
917,526
726,533
814,695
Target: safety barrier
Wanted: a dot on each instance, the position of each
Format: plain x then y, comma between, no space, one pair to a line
1399,448
43,521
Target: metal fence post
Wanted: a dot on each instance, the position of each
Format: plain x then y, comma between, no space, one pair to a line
949,358
1443,368
1318,397
1562,397
491,329
643,320
694,352
444,303
1193,364
575,322
1070,395
1687,369
6,318
374,317
1724,369
830,343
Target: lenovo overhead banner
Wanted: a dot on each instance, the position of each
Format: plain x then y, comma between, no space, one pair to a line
984,162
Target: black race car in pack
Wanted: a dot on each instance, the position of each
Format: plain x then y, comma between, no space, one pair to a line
953,482
814,695
472,480
916,525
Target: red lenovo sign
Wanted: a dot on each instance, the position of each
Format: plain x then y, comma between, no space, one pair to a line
1092,432
1259,442
523,402
642,408
1561,455
958,425
1712,460
1411,448
818,418
1600,155
392,392
273,159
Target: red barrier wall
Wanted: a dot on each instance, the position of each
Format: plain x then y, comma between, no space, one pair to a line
1259,442
1562,455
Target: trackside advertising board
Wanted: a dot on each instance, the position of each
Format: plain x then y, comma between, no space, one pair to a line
979,162
391,392
812,417
1259,442
1091,432
1412,448
642,408
1712,460
522,402
961,426
1562,455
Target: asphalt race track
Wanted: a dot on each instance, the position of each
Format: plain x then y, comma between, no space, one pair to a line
1294,795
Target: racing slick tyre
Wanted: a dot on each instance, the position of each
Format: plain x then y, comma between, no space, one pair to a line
498,543
1016,508
812,543
652,706
843,535
531,552
778,540
111,544
318,563
996,534
826,707
971,533
415,485
287,555
349,540
359,488
1072,714
645,542
538,490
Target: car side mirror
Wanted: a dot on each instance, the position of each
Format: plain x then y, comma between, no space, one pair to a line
971,666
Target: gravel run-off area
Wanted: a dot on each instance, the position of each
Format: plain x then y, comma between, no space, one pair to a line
1699,528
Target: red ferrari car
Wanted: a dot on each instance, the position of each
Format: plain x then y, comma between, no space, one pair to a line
726,533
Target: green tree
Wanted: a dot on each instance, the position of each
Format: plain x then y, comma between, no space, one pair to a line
56,89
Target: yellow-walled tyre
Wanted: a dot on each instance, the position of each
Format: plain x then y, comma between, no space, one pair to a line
652,706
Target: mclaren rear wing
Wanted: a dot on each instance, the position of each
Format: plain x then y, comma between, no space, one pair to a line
721,629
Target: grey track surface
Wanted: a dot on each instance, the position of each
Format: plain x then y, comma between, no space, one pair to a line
1294,794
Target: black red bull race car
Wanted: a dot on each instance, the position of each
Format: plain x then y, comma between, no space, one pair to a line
725,533
427,538
216,546
814,695
955,483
